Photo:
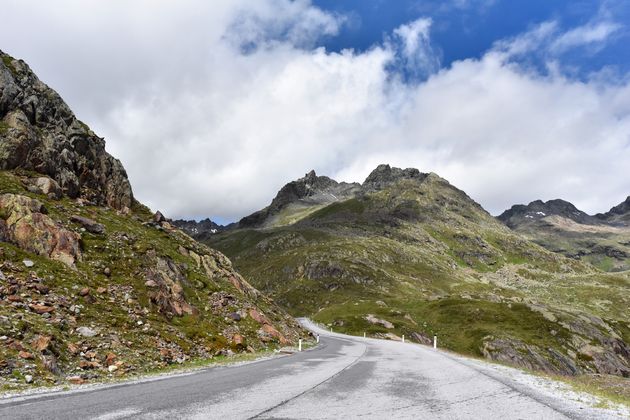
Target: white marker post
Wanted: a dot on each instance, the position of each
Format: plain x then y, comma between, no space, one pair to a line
403,337
318,338
435,341
330,329
363,334
300,344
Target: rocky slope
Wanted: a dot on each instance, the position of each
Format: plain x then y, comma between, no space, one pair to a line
41,134
408,253
93,285
602,240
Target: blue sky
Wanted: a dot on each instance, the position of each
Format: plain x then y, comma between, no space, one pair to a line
468,28
212,106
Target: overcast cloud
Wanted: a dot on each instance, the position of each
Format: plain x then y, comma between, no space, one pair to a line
213,106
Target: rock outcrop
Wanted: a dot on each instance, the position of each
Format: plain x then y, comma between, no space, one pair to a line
23,221
39,132
384,175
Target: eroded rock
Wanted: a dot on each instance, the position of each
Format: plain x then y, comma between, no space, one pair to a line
27,226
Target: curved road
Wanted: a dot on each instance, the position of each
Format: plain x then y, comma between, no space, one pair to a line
343,377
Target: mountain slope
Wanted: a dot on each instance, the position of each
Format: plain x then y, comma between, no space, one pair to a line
602,240
92,285
411,254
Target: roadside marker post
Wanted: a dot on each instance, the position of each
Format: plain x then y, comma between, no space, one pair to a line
300,345
435,341
403,338
318,338
363,334
330,329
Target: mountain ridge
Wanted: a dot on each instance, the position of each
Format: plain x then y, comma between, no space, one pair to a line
414,255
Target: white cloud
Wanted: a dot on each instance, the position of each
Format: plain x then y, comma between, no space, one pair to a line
205,130
414,44
587,35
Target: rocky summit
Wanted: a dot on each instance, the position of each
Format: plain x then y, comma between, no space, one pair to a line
92,284
40,133
407,253
302,195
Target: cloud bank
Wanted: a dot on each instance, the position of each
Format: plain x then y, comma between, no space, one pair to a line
213,106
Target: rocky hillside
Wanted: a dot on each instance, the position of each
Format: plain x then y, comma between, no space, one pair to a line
41,134
93,285
408,253
602,240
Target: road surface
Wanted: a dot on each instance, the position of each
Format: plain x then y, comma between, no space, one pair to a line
344,376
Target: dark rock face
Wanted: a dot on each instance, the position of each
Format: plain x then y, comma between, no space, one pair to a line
311,189
538,209
198,230
39,132
384,175
619,213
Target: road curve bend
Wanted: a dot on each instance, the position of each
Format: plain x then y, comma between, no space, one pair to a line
351,377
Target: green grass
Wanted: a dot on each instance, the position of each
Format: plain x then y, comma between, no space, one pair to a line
4,127
8,62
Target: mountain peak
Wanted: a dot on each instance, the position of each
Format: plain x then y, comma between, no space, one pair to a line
385,174
311,189
619,213
539,209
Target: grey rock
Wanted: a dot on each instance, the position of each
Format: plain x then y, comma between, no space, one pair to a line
28,263
44,136
86,332
90,225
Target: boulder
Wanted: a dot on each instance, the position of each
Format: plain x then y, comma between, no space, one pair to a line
88,224
86,332
44,185
377,321
27,226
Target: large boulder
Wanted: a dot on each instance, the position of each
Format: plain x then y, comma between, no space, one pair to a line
39,132
24,223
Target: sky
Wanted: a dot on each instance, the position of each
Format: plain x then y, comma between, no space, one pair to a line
213,106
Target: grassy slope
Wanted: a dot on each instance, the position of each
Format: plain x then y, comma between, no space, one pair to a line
595,245
128,323
429,260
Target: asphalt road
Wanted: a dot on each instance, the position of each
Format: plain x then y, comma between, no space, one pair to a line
345,376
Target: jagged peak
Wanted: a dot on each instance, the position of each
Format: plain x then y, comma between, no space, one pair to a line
385,174
538,209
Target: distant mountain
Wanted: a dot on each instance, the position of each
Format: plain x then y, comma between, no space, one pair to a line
408,253
619,214
92,285
602,240
298,198
198,229
536,210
